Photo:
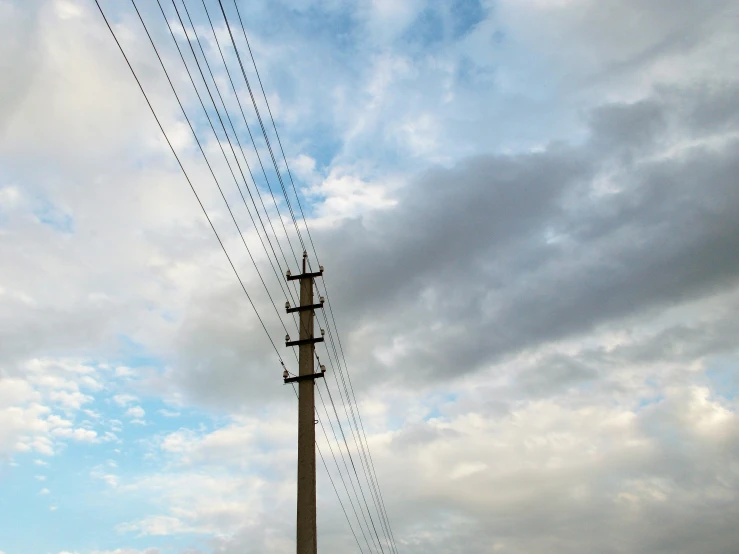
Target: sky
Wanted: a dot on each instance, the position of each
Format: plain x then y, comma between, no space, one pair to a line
528,214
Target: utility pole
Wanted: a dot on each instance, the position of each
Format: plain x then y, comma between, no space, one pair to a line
307,542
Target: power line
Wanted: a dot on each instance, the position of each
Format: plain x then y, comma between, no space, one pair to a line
233,129
374,491
369,460
339,497
357,441
200,146
225,133
363,448
264,133
220,96
246,124
342,478
332,482
187,177
351,460
192,81
200,203
259,78
338,444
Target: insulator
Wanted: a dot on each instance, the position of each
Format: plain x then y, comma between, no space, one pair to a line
322,299
305,254
285,374
320,267
287,305
323,332
287,338
288,273
323,368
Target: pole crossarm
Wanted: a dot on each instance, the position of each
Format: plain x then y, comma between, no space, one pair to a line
303,377
304,276
303,341
303,308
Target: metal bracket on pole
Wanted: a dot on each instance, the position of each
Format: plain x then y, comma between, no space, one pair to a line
303,378
304,276
304,308
303,341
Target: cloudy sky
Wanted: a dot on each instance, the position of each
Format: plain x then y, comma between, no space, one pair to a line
528,211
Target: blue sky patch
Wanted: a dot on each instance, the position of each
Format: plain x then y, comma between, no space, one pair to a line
50,215
465,15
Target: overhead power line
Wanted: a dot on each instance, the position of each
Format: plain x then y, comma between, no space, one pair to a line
365,447
264,133
189,181
346,389
205,213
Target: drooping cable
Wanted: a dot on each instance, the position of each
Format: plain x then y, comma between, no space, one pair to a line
372,486
341,475
356,475
220,241
233,130
362,448
228,139
202,150
216,108
334,486
264,133
269,109
367,454
187,177
243,115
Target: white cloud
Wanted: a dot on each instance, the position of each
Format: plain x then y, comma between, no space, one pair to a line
347,195
78,434
135,412
124,399
110,480
155,525
55,421
44,491
27,398
10,196
92,414
123,371
151,550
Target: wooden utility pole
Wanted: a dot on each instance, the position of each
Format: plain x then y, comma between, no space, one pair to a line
306,524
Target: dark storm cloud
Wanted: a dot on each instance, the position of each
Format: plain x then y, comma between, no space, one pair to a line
505,252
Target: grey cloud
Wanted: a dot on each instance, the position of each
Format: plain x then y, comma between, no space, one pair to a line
554,374
504,253
474,240
223,356
665,480
412,436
